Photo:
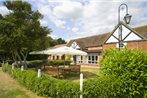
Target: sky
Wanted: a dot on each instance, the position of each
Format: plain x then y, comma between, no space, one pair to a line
71,19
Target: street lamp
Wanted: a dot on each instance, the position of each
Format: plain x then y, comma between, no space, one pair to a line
127,19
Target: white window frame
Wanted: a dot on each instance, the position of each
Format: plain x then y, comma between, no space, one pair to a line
91,61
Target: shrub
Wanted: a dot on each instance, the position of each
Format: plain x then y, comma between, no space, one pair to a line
59,62
45,85
34,63
101,87
128,66
6,67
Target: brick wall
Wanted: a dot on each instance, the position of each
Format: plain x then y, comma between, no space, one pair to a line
141,45
108,46
94,48
135,44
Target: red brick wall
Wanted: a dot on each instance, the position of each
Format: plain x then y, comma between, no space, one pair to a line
135,44
142,45
108,46
94,48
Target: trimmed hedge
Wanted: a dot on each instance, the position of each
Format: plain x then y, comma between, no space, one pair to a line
45,85
59,62
130,68
123,75
34,63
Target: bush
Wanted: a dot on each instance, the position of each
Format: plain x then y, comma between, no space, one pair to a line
6,67
45,85
101,87
9,61
34,63
123,75
59,62
128,66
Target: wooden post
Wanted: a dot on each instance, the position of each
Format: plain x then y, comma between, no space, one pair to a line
39,73
22,68
81,85
12,66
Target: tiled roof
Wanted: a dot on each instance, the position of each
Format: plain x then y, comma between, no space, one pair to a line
99,40
90,41
142,30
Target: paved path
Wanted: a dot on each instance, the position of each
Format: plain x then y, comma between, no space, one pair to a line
10,88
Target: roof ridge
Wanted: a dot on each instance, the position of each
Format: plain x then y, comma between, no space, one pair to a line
136,27
91,36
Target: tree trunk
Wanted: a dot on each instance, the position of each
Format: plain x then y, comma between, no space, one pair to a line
19,58
24,59
15,59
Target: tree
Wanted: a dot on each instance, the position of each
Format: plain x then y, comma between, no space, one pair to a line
58,41
21,31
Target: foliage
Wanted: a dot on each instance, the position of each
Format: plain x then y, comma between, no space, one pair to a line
45,85
68,57
128,66
59,62
34,63
6,68
21,30
58,41
123,75
102,87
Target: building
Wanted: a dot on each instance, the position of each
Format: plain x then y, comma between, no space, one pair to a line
56,57
94,45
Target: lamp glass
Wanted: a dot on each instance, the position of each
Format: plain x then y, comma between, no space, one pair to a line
127,18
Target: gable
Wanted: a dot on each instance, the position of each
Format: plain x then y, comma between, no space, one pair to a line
127,35
74,45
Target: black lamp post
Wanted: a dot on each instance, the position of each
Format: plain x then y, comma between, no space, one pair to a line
127,19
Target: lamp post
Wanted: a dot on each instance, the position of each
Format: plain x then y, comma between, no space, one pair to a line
127,19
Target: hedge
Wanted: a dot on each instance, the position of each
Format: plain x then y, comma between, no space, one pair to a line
59,62
45,85
130,68
34,63
123,75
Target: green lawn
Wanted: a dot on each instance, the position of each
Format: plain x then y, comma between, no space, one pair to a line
13,93
10,88
88,73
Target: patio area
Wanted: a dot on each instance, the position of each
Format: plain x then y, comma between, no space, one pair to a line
72,72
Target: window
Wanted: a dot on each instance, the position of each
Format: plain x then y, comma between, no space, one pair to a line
57,57
92,59
79,59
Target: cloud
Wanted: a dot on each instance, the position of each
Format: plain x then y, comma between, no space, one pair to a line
53,36
75,29
46,10
43,22
3,10
89,17
68,9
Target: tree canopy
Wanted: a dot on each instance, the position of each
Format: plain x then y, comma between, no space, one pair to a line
21,30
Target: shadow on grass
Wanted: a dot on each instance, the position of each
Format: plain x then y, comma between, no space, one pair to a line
76,76
14,93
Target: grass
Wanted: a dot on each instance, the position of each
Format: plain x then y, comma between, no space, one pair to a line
10,88
14,93
88,73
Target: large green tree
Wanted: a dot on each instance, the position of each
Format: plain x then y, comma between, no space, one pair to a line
21,32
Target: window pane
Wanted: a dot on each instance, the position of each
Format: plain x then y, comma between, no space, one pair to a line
92,58
96,58
89,57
